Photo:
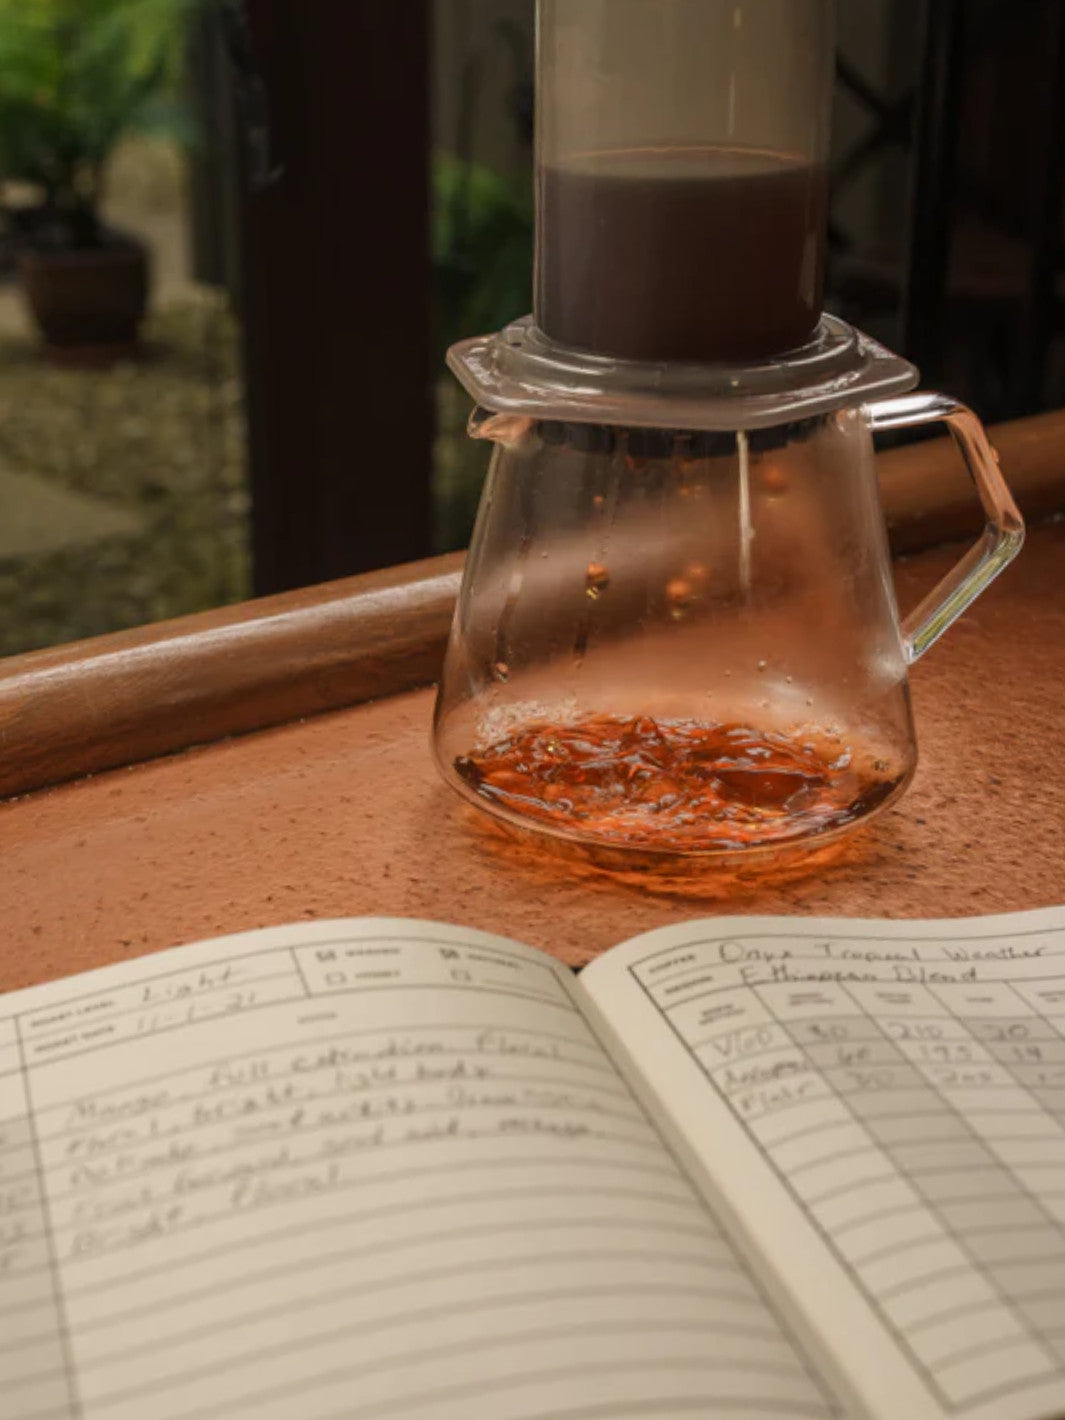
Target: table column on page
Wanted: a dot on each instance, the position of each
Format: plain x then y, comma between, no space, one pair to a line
956,1171
1019,1049
121,1222
33,1363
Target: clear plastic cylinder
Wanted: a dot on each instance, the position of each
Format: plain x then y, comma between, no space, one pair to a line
682,175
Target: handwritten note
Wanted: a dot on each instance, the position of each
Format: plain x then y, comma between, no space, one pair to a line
379,1171
911,1097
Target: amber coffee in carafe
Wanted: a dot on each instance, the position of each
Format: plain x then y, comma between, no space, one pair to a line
676,638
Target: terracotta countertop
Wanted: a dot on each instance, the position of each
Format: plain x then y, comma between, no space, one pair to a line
343,814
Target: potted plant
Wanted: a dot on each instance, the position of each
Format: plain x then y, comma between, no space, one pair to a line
75,77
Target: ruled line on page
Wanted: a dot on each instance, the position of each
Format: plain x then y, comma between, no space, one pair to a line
733,1297
498,1303
407,1359
192,1260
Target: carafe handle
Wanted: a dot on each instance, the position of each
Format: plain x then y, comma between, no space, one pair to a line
1003,534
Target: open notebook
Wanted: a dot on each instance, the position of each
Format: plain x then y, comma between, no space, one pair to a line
738,1168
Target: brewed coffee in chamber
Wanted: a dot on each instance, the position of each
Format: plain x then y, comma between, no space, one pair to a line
685,254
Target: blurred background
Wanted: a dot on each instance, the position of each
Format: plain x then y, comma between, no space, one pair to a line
237,236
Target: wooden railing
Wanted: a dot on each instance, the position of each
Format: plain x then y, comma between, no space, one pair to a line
134,695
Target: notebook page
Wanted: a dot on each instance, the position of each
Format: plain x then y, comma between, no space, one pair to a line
354,1170
881,1106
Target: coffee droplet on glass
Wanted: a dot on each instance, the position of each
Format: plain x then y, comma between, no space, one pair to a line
596,581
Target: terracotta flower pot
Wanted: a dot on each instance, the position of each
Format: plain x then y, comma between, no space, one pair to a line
88,304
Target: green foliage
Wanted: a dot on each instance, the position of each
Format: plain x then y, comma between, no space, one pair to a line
75,75
482,249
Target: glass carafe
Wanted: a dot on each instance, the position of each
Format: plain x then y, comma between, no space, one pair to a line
687,643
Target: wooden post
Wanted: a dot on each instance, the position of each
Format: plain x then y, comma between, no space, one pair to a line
337,291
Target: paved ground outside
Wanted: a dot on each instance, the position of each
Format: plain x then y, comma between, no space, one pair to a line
123,492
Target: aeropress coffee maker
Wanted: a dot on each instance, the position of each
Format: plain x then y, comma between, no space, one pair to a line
677,635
